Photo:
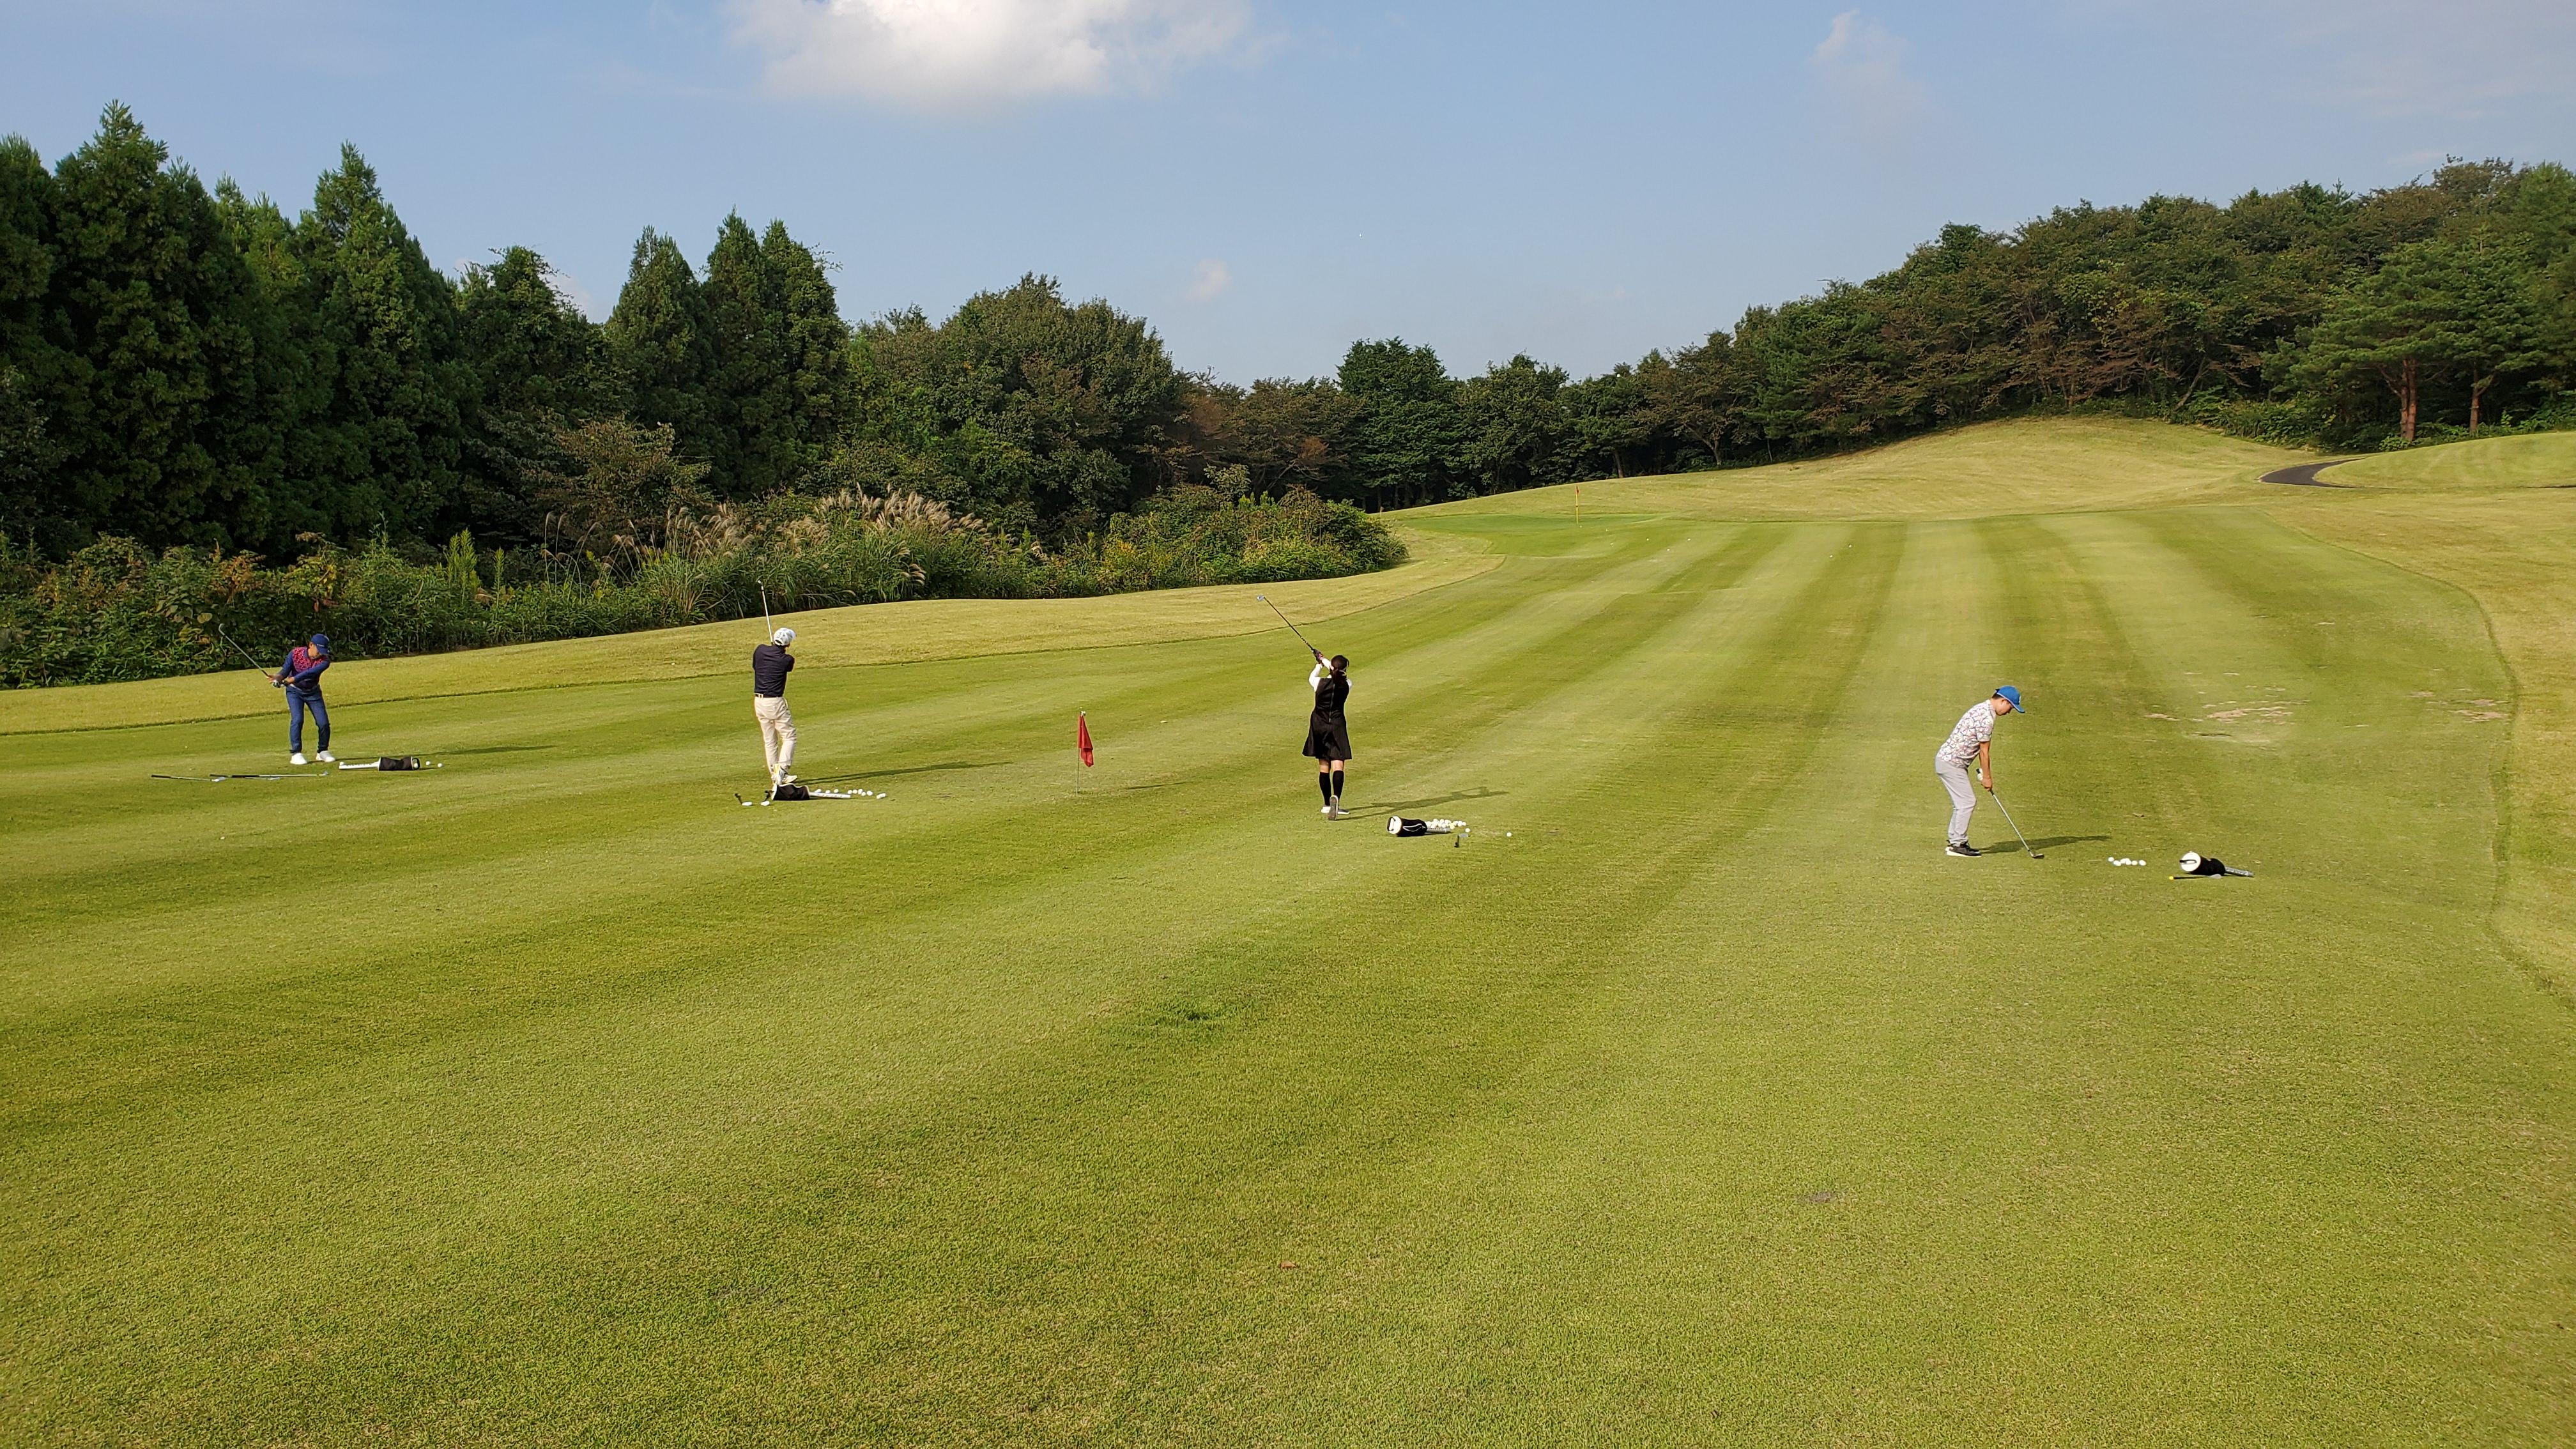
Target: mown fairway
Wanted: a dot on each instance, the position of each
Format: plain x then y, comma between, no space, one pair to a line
554,1098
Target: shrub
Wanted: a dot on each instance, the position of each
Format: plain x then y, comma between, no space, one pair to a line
116,611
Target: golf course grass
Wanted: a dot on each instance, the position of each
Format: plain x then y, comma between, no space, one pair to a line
1695,1097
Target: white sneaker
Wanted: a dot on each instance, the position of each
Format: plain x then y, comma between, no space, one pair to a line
1327,810
295,759
327,757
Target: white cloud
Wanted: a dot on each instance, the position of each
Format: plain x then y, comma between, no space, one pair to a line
1861,65
954,55
1211,281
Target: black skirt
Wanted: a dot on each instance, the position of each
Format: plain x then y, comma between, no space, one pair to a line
1328,736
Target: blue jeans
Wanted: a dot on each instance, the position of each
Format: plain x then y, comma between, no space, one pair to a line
297,702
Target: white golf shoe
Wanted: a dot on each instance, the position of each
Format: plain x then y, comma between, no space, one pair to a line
327,757
295,759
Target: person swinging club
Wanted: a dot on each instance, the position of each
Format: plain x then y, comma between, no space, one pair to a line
1328,735
769,666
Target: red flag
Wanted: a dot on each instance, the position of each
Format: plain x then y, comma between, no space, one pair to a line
1082,736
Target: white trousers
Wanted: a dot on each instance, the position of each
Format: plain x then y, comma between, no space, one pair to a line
777,734
1963,795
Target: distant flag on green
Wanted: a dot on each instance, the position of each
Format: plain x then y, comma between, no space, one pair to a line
1082,736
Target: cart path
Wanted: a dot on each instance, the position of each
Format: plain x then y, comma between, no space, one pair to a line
2305,474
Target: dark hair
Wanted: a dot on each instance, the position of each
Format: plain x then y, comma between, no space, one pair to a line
1341,663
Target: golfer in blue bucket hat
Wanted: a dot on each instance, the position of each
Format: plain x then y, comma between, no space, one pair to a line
1972,742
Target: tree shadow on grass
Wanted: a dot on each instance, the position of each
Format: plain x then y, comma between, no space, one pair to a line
2043,843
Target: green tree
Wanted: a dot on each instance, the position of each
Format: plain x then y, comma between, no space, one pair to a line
540,364
29,362
816,367
1687,397
1046,416
1516,430
782,391
533,350
147,303
660,339
402,392
1282,434
2461,306
1407,440
1610,428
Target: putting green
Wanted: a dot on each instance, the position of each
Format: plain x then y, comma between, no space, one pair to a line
1695,1098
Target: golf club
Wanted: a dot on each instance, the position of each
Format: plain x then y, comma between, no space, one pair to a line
2016,828
764,609
246,654
1292,628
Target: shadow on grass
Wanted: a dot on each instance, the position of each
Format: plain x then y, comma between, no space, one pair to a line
907,770
496,750
1398,807
2044,843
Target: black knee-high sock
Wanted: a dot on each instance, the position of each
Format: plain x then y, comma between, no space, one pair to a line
1324,785
1337,785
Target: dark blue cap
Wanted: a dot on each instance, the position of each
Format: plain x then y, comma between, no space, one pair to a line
321,641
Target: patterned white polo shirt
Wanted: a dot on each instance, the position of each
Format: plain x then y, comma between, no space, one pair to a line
1973,729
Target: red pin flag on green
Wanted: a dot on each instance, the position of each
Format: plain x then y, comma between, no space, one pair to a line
1082,736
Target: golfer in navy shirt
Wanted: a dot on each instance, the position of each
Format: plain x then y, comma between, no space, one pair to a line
301,678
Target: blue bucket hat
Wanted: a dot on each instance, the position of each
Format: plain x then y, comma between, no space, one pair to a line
2011,696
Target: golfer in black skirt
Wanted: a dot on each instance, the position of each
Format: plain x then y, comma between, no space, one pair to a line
1328,735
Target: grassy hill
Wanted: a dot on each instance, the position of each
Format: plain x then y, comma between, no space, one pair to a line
1695,1097
2534,460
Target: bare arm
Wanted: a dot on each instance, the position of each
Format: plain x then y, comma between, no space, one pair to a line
1986,764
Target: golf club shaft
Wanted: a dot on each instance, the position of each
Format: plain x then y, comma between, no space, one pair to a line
1292,626
771,623
237,648
2008,820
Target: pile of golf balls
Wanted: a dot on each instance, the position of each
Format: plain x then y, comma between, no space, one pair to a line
2123,860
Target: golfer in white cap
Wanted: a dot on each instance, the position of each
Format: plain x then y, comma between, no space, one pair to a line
1971,742
769,665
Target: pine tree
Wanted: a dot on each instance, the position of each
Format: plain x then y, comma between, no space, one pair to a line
149,300
532,349
660,341
543,367
820,382
783,391
401,389
292,384
30,365
751,422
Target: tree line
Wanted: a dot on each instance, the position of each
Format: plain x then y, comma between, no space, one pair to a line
181,365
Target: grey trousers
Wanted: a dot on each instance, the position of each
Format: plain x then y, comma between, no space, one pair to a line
1963,795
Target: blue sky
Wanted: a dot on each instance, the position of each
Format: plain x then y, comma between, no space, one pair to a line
1269,181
